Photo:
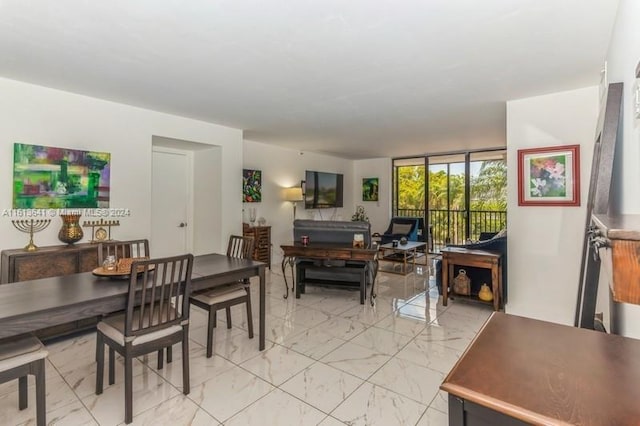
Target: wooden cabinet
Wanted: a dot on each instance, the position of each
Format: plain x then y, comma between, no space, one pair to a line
262,242
53,261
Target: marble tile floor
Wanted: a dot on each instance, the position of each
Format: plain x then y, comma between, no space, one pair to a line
328,361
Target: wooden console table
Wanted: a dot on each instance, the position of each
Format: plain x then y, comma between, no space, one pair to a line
523,371
325,251
477,258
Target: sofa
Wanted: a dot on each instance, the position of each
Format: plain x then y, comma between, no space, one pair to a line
330,271
488,241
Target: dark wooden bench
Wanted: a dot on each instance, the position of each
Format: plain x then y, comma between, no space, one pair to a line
352,274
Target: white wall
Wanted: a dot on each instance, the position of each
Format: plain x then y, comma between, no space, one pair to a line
379,212
285,168
42,116
545,243
622,59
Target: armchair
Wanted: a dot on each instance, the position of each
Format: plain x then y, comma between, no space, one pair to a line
403,227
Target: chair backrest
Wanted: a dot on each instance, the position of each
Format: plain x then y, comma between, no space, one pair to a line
122,249
240,247
158,294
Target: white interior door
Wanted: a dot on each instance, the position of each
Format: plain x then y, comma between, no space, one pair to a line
170,202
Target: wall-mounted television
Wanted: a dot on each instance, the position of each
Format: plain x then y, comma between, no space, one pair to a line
323,190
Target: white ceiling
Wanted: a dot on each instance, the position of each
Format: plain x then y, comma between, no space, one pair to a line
356,78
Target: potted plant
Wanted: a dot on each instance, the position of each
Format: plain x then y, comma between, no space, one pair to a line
360,215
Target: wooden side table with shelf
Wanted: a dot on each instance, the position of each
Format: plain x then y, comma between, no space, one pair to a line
262,242
477,258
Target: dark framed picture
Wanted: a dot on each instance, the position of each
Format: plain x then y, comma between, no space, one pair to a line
549,176
370,189
251,186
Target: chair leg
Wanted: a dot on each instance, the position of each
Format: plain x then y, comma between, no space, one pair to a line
23,394
186,386
128,388
112,366
169,354
160,358
228,317
249,316
41,394
100,363
212,324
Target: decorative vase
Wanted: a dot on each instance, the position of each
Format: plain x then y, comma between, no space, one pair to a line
71,230
485,293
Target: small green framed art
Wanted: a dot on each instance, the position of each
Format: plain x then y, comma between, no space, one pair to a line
251,186
370,189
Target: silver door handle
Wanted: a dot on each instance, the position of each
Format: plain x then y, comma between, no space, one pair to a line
182,225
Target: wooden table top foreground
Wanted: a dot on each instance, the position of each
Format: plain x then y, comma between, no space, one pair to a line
545,373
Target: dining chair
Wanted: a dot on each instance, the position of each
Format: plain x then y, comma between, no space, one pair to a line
229,295
127,249
19,357
122,249
156,317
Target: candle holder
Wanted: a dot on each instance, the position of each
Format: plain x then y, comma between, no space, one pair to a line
100,234
31,226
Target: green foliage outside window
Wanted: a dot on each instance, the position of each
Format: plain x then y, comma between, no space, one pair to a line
488,193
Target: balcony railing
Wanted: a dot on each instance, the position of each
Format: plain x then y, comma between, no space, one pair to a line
447,226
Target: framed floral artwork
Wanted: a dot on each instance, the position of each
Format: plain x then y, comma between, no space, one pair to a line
549,176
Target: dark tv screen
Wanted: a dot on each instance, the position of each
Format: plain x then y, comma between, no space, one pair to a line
323,190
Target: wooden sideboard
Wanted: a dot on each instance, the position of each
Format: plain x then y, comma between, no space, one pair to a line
262,242
52,261
46,262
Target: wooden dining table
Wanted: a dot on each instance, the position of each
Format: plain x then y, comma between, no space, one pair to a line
27,306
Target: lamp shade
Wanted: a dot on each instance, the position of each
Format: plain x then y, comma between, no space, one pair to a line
293,194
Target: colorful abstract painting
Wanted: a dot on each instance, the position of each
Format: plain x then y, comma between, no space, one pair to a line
370,189
56,178
251,186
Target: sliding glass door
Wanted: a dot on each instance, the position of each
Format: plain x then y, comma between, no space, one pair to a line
447,199
460,195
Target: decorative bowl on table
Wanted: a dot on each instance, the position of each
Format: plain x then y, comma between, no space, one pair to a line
122,269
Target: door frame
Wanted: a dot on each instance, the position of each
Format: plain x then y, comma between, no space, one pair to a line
189,190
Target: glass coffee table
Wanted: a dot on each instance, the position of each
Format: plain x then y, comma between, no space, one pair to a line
401,258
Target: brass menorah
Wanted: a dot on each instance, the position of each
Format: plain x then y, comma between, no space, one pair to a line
100,234
31,226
